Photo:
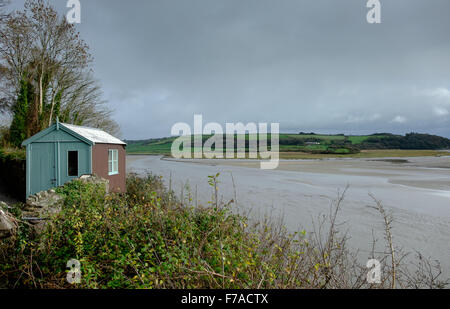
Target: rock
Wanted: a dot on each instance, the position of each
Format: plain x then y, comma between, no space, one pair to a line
7,223
42,206
96,180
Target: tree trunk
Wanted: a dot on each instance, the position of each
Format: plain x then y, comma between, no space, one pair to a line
51,109
41,95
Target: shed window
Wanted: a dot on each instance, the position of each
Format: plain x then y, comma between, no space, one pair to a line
113,162
72,163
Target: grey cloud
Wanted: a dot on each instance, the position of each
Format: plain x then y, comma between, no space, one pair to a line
310,65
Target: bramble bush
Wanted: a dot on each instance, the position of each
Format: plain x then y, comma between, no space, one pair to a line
147,238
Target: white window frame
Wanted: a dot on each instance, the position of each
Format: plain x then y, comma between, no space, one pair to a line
113,162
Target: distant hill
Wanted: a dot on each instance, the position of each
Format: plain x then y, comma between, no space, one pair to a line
318,143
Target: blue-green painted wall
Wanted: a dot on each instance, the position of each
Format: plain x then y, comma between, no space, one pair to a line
47,160
83,160
42,163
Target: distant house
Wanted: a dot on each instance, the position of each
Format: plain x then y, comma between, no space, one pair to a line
63,152
312,143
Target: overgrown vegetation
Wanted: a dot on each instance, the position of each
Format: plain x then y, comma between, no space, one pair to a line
149,239
12,154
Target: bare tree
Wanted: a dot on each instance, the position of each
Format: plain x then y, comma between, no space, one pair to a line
15,52
83,105
39,46
387,220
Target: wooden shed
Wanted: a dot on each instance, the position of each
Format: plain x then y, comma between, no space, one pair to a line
63,152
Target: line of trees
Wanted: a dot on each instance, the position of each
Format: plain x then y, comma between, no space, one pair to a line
409,141
46,73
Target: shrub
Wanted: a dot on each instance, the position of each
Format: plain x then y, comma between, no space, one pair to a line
12,154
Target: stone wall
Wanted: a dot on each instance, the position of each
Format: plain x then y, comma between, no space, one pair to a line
39,208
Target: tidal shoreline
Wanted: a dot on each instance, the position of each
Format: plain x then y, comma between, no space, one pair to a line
417,193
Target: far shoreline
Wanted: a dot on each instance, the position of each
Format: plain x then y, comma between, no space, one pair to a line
303,156
385,167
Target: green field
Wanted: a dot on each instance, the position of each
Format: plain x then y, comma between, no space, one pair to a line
162,147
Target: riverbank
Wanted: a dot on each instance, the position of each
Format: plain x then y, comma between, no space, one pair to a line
417,192
296,155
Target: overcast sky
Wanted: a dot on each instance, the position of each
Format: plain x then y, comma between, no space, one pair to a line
311,65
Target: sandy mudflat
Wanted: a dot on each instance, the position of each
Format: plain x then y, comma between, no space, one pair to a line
417,192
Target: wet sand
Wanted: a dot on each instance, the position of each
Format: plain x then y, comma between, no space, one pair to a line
416,191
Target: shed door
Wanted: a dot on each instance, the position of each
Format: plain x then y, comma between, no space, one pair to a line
42,167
